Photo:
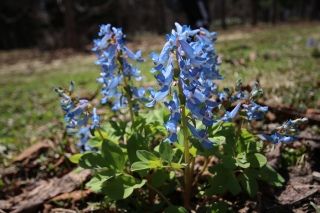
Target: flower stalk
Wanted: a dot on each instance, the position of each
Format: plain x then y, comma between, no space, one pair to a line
186,144
127,90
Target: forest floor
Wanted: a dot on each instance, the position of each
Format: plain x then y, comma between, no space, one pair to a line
278,56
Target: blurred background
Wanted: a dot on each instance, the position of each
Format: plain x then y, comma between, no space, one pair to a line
51,24
47,43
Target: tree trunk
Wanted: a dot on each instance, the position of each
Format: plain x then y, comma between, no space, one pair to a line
315,13
274,12
223,14
70,25
254,12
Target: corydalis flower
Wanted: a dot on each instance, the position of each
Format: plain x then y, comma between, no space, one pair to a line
113,55
284,133
188,60
254,111
175,117
228,116
80,121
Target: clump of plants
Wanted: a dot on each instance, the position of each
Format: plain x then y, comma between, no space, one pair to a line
148,158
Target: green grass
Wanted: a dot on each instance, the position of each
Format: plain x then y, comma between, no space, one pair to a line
282,63
29,106
277,56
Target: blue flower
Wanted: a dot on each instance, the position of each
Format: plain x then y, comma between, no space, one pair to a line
202,136
188,60
95,119
79,120
174,118
291,126
276,138
84,134
228,116
113,55
284,133
255,111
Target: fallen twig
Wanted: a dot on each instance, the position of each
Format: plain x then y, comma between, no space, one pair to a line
47,189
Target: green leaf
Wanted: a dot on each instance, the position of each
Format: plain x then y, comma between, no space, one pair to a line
140,165
257,160
228,131
217,182
159,177
269,175
316,208
113,155
242,160
223,180
232,184
75,158
95,184
219,140
92,160
215,128
96,141
166,151
176,166
193,151
144,155
172,175
155,163
119,127
248,142
228,162
248,182
156,115
175,209
121,187
135,142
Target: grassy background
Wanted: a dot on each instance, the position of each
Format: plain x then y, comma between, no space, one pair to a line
277,56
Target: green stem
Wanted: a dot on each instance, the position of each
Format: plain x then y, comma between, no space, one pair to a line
129,98
187,159
128,94
159,193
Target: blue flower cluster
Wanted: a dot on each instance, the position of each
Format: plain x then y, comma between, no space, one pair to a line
285,133
186,70
113,55
188,60
79,120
